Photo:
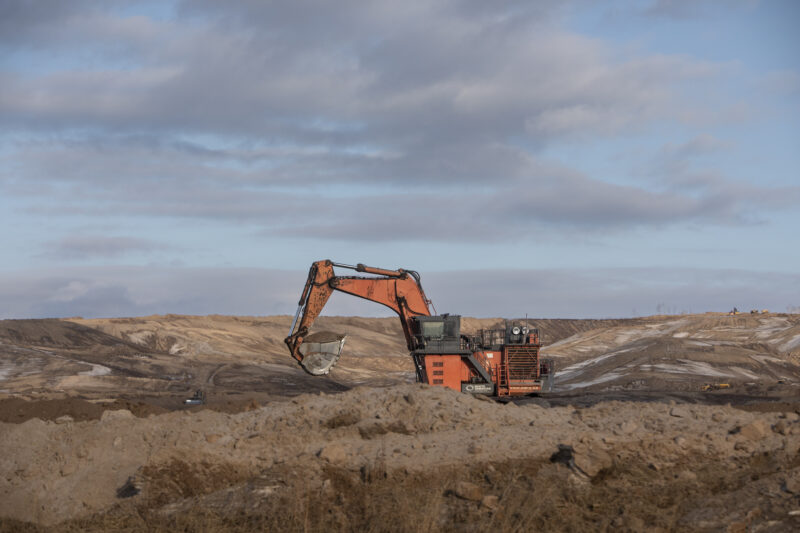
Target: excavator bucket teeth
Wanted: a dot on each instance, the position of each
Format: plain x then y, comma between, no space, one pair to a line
321,351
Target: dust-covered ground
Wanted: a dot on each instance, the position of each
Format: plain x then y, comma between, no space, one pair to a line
95,435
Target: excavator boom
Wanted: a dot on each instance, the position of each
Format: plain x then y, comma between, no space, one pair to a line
399,290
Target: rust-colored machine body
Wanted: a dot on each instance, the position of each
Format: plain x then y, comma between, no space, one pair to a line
500,362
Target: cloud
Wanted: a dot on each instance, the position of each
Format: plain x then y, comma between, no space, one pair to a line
136,291
702,144
683,169
337,120
23,22
784,82
604,293
404,76
78,247
690,9
543,199
94,302
573,293
143,177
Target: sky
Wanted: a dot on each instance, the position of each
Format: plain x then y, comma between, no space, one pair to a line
571,159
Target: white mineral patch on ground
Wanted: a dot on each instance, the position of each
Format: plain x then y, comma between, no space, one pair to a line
791,345
767,359
5,370
176,349
743,372
139,337
773,324
577,367
97,370
699,343
696,368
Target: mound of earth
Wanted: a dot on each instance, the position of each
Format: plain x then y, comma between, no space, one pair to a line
615,465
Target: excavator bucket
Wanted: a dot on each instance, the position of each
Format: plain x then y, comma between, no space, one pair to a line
321,351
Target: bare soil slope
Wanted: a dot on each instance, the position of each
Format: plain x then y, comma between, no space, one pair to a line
161,360
426,458
681,353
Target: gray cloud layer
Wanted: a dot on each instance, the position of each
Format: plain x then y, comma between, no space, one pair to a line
129,291
425,112
84,246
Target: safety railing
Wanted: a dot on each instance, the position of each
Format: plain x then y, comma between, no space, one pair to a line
485,363
523,363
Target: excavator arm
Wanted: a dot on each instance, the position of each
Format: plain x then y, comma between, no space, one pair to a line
399,290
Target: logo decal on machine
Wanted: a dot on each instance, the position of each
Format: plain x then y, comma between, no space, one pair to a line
477,388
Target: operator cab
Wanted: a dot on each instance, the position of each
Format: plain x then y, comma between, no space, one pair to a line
436,334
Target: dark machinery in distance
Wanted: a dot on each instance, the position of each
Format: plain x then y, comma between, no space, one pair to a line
199,398
499,362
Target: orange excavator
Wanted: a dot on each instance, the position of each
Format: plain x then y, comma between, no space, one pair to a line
498,362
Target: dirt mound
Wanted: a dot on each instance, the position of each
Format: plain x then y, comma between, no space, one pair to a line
698,494
177,479
353,457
